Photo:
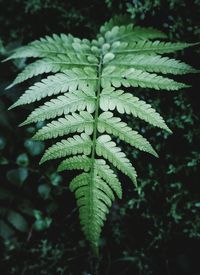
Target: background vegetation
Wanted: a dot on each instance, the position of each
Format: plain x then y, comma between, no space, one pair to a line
155,233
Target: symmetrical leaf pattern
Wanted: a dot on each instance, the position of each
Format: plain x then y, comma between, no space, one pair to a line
83,91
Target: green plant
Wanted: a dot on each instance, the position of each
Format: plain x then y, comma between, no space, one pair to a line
88,75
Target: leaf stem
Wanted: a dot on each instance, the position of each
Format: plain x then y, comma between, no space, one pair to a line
97,108
91,188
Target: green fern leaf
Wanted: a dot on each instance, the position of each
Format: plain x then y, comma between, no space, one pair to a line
34,69
71,146
82,95
70,102
113,76
93,204
130,33
127,103
75,162
70,80
106,173
53,45
82,122
53,64
108,149
114,125
153,63
149,47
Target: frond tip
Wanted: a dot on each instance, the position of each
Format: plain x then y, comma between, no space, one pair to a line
82,92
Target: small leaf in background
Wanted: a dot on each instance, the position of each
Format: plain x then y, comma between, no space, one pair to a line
26,207
6,231
197,204
30,130
37,214
44,191
17,176
34,148
41,222
2,142
3,160
56,179
2,49
22,160
18,221
20,63
40,124
39,225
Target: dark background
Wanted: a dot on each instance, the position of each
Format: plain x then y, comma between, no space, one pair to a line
157,233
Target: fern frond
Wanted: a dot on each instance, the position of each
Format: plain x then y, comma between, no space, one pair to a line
52,45
114,125
82,122
106,173
64,104
53,64
72,146
153,63
82,95
108,149
117,20
107,194
93,198
114,76
70,80
34,69
130,33
129,104
76,162
149,47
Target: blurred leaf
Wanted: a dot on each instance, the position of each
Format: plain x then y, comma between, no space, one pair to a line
3,160
18,221
2,49
26,207
34,148
5,230
56,179
2,142
17,176
39,225
44,191
30,130
37,214
22,160
41,222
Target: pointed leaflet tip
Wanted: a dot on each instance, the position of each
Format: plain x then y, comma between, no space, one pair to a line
42,160
35,137
24,123
59,169
14,105
195,71
195,44
155,154
169,130
9,86
6,59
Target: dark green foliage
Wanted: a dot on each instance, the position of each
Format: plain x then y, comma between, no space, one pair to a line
157,233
